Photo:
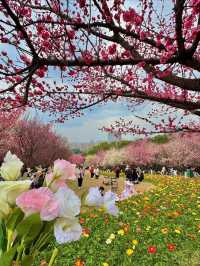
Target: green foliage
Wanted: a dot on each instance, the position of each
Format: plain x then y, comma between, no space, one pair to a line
7,257
2,236
160,139
104,146
76,151
30,227
14,219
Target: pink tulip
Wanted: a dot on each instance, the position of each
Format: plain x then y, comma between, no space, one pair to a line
41,201
65,169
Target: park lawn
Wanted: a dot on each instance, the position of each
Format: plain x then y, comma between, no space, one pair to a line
167,218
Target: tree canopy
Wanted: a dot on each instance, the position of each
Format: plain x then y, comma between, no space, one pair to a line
143,52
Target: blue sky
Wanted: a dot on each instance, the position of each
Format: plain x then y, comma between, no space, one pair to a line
86,127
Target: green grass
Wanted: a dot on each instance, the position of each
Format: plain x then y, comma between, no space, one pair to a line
174,206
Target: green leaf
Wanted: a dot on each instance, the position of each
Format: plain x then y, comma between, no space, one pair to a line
45,238
27,260
30,227
7,257
2,236
14,219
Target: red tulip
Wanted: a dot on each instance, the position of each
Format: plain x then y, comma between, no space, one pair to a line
152,249
171,247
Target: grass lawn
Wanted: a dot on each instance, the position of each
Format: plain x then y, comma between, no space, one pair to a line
160,227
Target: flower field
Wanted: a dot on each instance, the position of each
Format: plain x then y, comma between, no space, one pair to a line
160,227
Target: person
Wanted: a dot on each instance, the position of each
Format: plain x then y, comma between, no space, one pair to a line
141,176
189,172
128,191
128,173
117,172
175,172
38,180
96,172
81,173
163,171
91,171
134,176
101,190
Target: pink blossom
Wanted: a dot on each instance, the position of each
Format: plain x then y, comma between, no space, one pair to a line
39,201
112,49
65,169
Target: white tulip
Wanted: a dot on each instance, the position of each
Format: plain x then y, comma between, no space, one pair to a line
69,203
67,230
11,167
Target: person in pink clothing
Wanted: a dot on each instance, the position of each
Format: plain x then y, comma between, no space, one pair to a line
129,191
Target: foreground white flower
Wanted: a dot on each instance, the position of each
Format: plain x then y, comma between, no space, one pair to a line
107,201
67,230
69,202
66,227
10,190
11,167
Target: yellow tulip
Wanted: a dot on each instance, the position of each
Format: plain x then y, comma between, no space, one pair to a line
135,242
129,251
121,232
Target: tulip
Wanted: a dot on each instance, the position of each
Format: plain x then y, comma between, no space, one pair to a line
66,227
11,167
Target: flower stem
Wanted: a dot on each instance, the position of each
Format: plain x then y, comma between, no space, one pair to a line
9,238
53,257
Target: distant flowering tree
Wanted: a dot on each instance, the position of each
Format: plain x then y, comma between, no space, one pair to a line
141,153
8,120
113,157
77,159
36,143
182,151
96,159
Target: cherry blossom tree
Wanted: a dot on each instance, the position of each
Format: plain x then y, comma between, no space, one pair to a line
113,157
96,159
182,151
142,153
143,52
37,144
8,121
77,159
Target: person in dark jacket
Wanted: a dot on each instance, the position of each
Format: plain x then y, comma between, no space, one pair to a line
117,172
134,177
141,176
128,173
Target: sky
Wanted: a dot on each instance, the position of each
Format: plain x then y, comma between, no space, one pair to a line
85,129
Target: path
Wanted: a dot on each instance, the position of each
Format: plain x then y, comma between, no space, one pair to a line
92,182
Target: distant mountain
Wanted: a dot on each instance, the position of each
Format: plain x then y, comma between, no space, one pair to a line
81,146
